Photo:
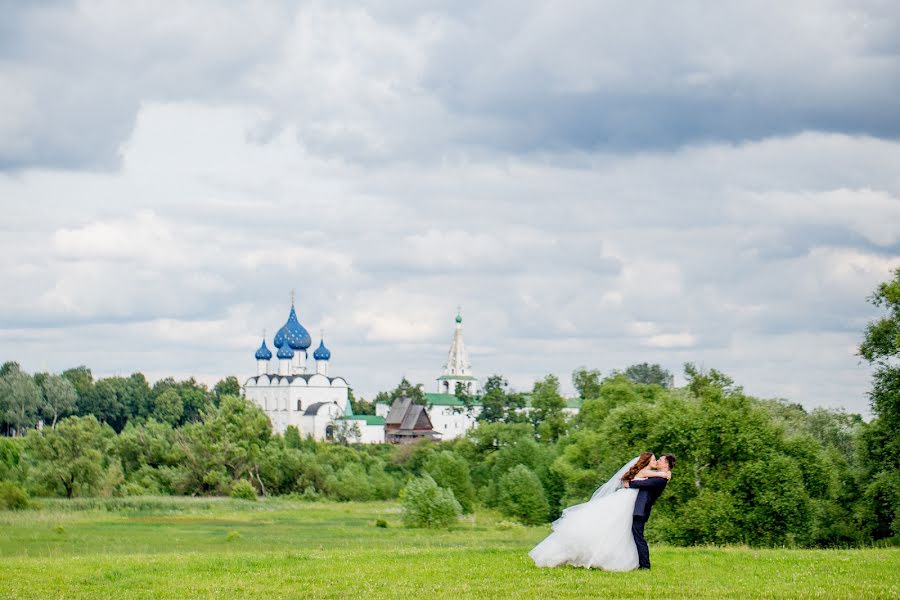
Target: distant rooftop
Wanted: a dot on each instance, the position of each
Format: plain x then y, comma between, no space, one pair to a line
437,399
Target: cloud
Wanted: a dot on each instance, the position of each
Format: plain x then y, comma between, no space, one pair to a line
595,186
375,84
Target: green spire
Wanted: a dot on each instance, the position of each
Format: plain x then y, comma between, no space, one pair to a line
458,314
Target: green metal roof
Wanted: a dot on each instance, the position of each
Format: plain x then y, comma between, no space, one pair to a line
369,419
448,400
462,377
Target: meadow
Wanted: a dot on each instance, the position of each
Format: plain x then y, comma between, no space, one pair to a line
279,548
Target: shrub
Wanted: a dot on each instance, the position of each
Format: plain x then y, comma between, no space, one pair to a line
452,472
243,490
427,505
522,496
381,523
12,497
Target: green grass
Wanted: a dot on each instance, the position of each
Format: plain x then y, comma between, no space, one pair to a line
177,548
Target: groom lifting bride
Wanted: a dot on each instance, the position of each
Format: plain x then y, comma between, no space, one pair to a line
607,531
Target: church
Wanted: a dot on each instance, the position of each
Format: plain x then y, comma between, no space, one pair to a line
293,392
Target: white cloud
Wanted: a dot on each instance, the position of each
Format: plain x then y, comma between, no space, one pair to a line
587,197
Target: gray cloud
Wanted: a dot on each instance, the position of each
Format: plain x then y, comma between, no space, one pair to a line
372,82
595,188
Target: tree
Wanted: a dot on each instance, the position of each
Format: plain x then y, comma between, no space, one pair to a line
547,406
169,407
346,431
452,472
195,397
59,398
587,382
700,380
230,386
425,504
404,389
69,460
83,380
466,399
648,374
881,439
360,406
498,405
20,401
522,496
225,446
9,367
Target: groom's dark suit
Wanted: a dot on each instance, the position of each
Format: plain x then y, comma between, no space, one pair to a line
648,491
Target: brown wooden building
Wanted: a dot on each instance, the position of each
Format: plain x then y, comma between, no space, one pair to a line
407,422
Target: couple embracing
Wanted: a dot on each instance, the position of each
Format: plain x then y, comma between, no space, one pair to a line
607,531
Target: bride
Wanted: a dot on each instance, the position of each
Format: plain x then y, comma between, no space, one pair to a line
598,532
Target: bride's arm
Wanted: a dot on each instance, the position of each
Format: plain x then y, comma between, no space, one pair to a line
644,473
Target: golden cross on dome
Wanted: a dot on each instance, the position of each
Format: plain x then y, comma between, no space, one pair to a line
293,295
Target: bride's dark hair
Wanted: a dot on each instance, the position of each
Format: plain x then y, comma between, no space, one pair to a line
642,461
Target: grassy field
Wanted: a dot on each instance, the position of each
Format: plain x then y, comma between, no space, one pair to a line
177,548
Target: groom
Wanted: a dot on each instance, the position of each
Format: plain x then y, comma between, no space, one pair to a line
649,491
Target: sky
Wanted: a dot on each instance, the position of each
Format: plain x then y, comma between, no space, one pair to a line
595,184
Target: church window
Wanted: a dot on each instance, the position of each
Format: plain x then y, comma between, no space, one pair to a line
298,405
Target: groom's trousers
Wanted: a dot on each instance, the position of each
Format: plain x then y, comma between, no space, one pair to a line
637,530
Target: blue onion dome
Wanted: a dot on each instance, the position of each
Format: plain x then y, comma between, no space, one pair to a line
263,353
278,342
293,333
322,353
285,351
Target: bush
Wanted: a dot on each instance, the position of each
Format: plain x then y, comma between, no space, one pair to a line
381,523
427,505
12,497
243,490
452,472
522,496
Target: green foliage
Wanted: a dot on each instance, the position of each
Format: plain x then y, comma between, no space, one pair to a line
427,505
522,496
69,460
292,437
59,398
227,445
648,374
169,407
547,406
243,490
452,472
587,382
230,386
880,442
20,401
12,497
498,405
404,390
360,406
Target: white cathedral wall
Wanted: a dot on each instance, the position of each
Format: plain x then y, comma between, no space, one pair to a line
451,424
278,399
371,434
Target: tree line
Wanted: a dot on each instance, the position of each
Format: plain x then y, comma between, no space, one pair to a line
750,470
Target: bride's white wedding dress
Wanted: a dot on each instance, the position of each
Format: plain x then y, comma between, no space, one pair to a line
594,534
